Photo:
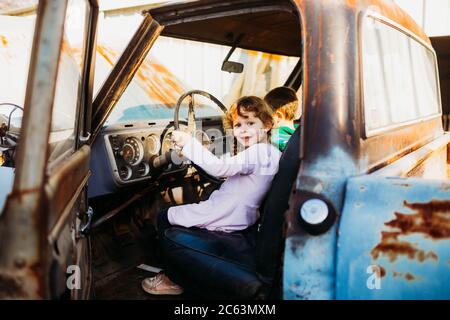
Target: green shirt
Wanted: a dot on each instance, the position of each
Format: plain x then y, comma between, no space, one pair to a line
281,135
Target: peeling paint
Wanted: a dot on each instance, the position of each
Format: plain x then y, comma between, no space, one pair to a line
382,272
431,219
405,275
392,247
10,288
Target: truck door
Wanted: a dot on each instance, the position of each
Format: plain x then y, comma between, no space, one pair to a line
44,251
394,239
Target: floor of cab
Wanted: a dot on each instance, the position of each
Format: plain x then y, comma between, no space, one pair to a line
117,251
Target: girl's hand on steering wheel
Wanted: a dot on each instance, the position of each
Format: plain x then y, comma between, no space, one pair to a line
180,138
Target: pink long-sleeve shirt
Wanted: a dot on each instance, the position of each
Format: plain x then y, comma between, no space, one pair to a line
235,205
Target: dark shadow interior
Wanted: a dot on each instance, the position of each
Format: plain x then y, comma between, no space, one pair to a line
442,47
271,32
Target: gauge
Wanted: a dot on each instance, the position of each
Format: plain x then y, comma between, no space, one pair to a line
152,145
143,169
132,151
167,143
125,173
115,143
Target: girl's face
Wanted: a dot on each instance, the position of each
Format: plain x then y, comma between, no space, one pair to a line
249,129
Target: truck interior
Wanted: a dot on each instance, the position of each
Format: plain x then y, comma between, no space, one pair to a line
132,180
119,145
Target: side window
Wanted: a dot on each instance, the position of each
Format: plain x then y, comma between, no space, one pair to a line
16,38
399,77
63,128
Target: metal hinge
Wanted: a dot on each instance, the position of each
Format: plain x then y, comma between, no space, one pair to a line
85,139
87,227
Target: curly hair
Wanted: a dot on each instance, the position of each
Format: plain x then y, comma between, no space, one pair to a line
247,104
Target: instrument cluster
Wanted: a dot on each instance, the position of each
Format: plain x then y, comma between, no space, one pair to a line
132,153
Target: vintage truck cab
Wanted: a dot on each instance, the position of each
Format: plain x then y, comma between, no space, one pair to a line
360,206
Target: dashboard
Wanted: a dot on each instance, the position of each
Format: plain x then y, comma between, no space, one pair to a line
131,148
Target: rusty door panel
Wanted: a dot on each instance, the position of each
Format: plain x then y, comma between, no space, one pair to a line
64,183
397,231
22,264
429,161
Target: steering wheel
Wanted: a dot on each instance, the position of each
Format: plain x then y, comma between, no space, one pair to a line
7,139
191,126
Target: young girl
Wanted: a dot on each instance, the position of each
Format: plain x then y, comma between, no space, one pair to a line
249,174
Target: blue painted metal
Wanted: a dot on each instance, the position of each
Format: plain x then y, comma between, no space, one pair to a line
6,184
309,261
401,226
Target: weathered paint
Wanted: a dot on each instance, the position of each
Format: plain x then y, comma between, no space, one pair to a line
391,10
402,226
23,221
6,184
309,261
333,147
408,165
63,182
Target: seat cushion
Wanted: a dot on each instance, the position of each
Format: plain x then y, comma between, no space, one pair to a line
213,264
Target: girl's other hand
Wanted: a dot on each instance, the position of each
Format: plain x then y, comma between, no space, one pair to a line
180,138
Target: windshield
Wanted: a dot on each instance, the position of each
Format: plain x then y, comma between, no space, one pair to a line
174,66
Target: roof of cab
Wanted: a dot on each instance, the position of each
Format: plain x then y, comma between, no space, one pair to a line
186,19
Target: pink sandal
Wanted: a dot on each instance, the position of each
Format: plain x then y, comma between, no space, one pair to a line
161,285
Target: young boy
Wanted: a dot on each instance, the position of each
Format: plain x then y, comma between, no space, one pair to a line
284,102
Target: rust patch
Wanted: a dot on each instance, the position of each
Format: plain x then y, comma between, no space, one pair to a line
406,185
431,219
36,270
407,276
4,41
391,247
10,288
382,272
19,194
392,11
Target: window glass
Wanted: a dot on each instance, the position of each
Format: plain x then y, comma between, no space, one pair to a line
399,77
16,38
62,135
114,31
174,66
